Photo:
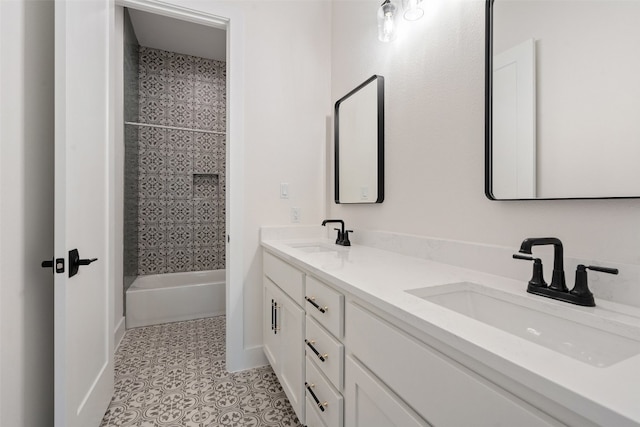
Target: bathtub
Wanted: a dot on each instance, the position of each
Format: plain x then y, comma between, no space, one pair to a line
172,297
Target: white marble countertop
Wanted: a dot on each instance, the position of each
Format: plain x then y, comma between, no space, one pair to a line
606,395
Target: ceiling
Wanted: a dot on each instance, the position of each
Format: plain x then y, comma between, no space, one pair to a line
174,35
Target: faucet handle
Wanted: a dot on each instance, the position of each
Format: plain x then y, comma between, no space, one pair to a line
345,238
340,236
537,278
601,269
581,287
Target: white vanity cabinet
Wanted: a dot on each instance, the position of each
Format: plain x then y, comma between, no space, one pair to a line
344,363
369,403
404,370
284,327
325,354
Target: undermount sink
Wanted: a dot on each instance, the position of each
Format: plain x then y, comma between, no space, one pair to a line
536,322
313,247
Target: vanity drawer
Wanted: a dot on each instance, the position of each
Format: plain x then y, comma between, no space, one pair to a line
325,305
327,402
330,352
288,278
312,416
435,386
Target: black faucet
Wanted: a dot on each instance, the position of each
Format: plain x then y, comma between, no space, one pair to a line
580,294
343,236
558,282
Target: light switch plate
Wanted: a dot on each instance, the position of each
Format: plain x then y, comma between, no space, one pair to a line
284,190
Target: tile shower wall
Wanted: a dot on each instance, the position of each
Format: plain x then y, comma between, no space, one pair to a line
181,185
131,107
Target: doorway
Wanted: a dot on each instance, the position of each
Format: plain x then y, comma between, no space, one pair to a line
219,17
174,169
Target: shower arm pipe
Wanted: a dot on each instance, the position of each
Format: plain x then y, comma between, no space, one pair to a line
174,128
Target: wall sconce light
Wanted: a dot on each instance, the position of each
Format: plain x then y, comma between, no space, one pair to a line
412,10
387,21
387,14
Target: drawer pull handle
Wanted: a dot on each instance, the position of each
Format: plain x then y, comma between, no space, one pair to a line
275,318
273,315
312,300
322,357
321,405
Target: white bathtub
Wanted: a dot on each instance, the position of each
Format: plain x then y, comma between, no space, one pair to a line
173,297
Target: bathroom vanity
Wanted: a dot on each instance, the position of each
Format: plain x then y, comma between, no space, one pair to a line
360,336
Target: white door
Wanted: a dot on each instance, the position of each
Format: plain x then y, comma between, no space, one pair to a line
83,366
513,121
290,320
270,336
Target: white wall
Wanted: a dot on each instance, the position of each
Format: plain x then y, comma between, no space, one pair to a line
287,77
434,88
26,213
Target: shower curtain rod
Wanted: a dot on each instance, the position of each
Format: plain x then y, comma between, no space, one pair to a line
174,128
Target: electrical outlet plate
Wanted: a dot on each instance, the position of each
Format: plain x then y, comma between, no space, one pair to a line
295,214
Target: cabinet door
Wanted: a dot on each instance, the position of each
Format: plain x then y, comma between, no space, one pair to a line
270,334
368,403
290,321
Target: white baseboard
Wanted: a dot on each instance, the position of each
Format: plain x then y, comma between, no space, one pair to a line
255,356
252,357
118,333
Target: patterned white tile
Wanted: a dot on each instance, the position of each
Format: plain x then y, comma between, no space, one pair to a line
152,261
206,234
179,259
179,114
152,210
206,163
182,91
180,139
191,386
179,234
179,187
180,210
152,161
179,162
152,235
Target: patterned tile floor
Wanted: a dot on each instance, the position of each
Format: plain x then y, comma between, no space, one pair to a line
174,375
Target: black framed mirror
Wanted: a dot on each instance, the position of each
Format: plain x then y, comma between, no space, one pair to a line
562,99
359,144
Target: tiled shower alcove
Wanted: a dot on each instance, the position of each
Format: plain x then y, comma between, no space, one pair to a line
181,151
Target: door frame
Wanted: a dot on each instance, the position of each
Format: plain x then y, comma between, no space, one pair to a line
230,18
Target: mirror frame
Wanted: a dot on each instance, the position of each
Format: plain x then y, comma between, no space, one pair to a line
488,179
380,148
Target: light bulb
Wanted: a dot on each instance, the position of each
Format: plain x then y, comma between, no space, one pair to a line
387,21
412,10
